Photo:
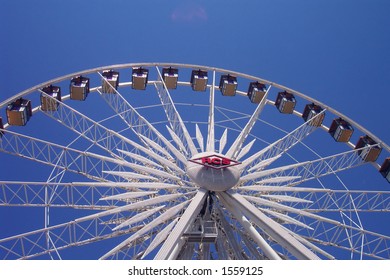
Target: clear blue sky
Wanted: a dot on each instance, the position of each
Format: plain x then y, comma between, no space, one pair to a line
335,51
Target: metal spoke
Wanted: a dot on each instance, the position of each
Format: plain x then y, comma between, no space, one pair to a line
173,116
188,216
137,123
43,194
304,171
327,200
85,163
167,215
281,146
278,233
33,244
236,146
268,251
210,147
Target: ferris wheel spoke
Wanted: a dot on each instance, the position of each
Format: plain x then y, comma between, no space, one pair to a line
151,154
326,231
222,141
270,227
74,195
143,159
256,255
288,209
136,205
137,123
349,238
281,146
167,215
160,237
245,149
304,171
199,138
173,116
159,148
240,217
92,131
106,139
236,146
228,233
85,163
185,220
311,245
210,145
326,200
34,243
88,164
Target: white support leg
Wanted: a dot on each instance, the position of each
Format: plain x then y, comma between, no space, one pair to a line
273,229
267,249
185,220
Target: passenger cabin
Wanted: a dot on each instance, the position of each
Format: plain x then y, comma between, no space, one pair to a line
110,82
385,169
256,92
341,130
202,231
199,80
372,152
311,111
285,102
19,112
1,127
139,78
170,76
79,88
47,103
228,85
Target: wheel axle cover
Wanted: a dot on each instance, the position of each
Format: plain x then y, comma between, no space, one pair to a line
213,171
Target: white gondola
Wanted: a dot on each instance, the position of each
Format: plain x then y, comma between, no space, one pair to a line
79,88
311,111
373,150
256,92
139,78
47,103
228,85
19,112
110,82
170,76
199,80
285,102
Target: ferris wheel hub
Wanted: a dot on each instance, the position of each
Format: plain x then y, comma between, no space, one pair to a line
213,171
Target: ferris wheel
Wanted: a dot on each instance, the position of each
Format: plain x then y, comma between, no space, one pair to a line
178,161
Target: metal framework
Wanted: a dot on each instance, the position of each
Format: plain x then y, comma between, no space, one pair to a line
122,184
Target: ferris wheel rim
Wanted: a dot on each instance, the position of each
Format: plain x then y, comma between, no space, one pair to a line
195,66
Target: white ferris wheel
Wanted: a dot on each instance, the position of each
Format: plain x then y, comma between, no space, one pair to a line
177,161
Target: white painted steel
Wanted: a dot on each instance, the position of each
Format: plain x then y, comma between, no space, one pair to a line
138,186
278,233
268,251
185,220
211,121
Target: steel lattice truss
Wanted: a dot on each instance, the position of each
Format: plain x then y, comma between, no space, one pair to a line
127,179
